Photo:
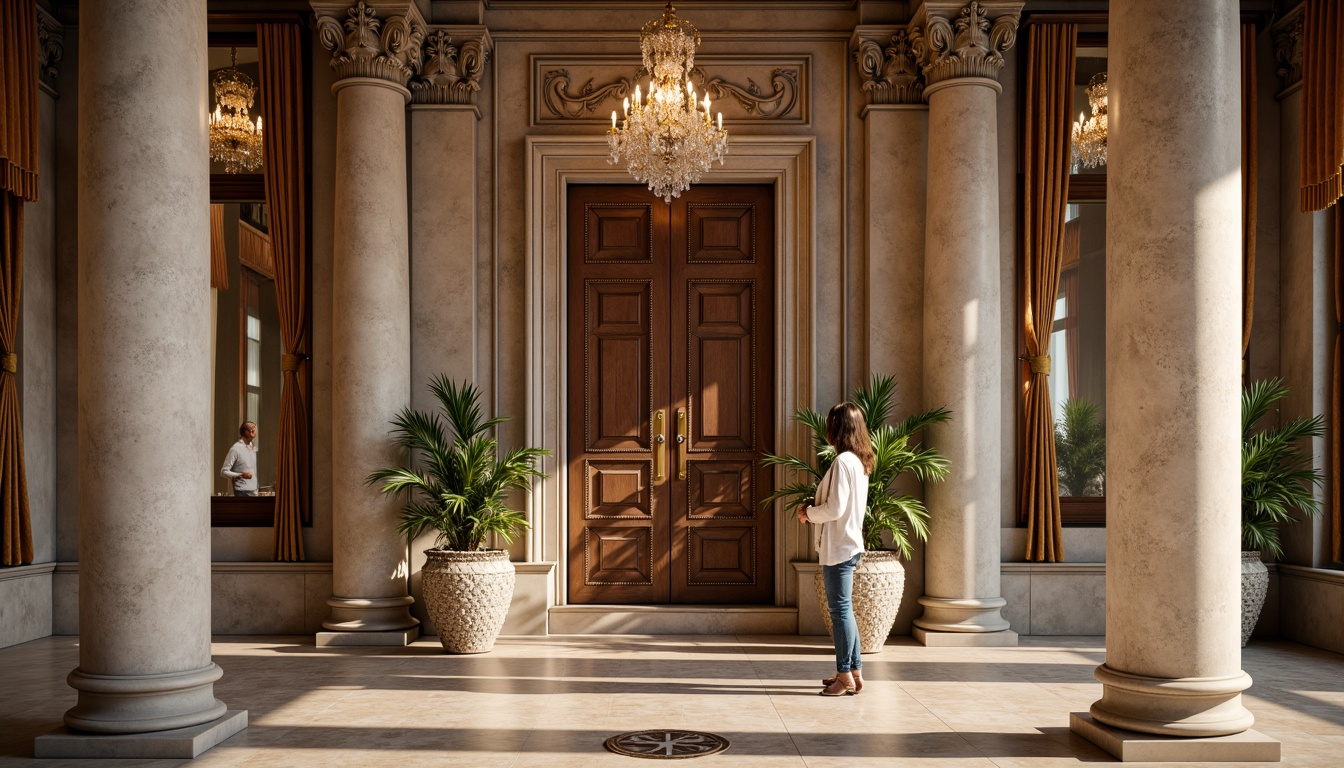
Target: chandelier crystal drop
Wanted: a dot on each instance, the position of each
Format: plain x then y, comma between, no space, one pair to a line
1089,136
234,140
667,138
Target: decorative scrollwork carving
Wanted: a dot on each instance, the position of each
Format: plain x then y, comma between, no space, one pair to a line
1287,35
50,47
891,74
775,104
971,45
562,103
364,46
451,74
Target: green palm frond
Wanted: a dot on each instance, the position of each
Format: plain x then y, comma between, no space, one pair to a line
891,520
1080,449
1277,476
462,482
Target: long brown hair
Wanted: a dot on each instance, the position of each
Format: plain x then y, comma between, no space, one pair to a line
846,430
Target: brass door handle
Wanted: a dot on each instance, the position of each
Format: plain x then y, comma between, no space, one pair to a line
683,440
659,444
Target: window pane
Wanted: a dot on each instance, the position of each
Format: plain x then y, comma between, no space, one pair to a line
1078,355
253,363
253,406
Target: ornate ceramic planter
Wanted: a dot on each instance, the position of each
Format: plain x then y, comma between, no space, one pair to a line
879,581
467,596
1254,587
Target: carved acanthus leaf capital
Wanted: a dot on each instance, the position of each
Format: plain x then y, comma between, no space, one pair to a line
959,39
364,45
1287,36
50,47
887,64
454,60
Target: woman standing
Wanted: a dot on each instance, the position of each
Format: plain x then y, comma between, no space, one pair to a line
841,502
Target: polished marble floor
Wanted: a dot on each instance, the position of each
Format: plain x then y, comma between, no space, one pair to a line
552,701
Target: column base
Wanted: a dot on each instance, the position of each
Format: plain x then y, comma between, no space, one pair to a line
180,743
1004,639
399,638
1182,707
1134,747
371,614
144,703
958,615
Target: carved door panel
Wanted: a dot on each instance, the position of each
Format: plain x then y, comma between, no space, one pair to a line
670,395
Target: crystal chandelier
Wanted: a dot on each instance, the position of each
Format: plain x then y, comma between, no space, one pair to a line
234,140
667,139
1089,136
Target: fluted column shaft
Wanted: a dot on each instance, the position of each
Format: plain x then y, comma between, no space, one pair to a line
371,328
1173,655
961,47
144,370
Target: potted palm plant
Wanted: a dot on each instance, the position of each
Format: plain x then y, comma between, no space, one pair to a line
457,483
893,520
1276,479
1080,449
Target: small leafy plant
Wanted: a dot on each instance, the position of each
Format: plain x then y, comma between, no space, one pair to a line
1080,450
460,484
1276,476
902,517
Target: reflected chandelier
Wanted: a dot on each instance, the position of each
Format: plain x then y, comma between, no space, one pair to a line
234,140
667,139
1089,136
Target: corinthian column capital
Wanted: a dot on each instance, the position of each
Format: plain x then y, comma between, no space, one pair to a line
1287,35
50,48
365,45
454,60
956,39
887,64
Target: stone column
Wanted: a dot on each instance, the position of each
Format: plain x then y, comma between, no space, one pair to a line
896,144
376,49
445,211
960,47
1173,312
144,386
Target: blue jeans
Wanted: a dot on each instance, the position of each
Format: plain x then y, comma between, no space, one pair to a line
839,582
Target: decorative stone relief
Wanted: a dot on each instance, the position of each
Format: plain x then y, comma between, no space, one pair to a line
50,48
956,39
451,73
888,66
1287,35
734,89
362,45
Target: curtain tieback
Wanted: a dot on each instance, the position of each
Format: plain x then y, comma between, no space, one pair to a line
1040,364
290,363
10,362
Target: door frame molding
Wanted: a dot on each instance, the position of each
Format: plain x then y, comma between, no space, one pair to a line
555,162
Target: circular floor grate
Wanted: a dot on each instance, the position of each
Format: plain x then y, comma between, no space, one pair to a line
666,744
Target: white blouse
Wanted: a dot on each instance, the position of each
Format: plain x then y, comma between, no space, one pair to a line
842,498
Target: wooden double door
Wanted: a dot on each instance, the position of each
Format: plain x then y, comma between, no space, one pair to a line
671,395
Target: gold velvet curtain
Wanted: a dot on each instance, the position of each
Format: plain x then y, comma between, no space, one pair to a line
1049,103
18,183
280,56
1250,164
1322,103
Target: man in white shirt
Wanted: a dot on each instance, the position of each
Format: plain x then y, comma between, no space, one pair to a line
240,465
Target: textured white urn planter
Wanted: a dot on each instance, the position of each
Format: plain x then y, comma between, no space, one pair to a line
879,582
1254,587
467,596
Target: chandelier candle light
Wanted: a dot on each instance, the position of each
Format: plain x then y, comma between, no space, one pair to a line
1089,136
234,140
667,138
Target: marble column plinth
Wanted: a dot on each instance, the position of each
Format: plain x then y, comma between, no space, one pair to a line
963,366
371,334
180,743
1173,341
144,376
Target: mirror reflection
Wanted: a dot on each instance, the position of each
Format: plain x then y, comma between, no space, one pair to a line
247,350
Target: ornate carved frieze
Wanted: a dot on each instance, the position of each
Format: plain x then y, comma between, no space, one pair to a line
736,88
1287,35
887,64
380,40
959,39
50,48
454,60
